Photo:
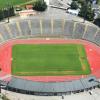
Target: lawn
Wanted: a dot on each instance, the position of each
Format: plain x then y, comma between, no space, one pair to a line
49,60
5,3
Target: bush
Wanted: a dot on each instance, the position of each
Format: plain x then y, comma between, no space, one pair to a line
86,12
39,5
74,5
4,97
7,12
1,15
97,22
79,1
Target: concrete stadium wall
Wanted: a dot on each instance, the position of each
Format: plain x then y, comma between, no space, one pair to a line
49,28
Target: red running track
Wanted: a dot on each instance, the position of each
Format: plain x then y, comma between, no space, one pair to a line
92,50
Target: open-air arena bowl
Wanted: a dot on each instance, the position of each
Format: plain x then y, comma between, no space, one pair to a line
49,31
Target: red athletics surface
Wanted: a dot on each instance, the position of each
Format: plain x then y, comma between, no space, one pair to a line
92,50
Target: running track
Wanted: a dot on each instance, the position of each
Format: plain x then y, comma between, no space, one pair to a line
92,50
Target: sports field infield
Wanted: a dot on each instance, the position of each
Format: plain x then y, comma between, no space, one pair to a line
49,60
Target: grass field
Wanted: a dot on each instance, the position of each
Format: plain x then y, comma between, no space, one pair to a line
49,60
4,3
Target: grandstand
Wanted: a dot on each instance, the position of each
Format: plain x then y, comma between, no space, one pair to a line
48,29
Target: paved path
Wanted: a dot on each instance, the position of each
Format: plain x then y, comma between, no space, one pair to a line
79,96
50,13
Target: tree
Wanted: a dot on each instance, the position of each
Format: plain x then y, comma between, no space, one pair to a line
97,1
97,22
90,13
1,15
5,11
86,11
4,97
74,5
80,1
40,5
11,11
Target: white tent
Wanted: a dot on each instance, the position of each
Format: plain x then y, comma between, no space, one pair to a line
47,2
73,12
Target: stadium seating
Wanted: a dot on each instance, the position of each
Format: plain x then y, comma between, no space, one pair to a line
57,27
4,32
14,29
50,88
46,25
78,31
35,25
90,32
1,38
24,28
68,29
50,27
97,38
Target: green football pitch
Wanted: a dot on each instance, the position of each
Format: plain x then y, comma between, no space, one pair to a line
49,60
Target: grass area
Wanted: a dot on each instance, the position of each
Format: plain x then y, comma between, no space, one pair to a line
99,2
3,4
49,59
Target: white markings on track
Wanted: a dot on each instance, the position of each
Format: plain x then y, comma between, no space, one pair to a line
91,68
90,49
11,59
47,38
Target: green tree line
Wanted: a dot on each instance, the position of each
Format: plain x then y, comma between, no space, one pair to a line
6,12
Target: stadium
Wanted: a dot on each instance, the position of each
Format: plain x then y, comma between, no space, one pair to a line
49,57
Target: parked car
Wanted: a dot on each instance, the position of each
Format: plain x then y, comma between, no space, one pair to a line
73,12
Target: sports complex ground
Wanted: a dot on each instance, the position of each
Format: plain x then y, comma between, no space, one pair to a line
47,60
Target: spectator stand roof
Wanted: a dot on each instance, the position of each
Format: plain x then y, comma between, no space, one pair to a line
65,86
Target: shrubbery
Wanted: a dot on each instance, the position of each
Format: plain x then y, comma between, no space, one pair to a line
4,97
40,5
97,22
74,5
6,12
85,7
86,11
